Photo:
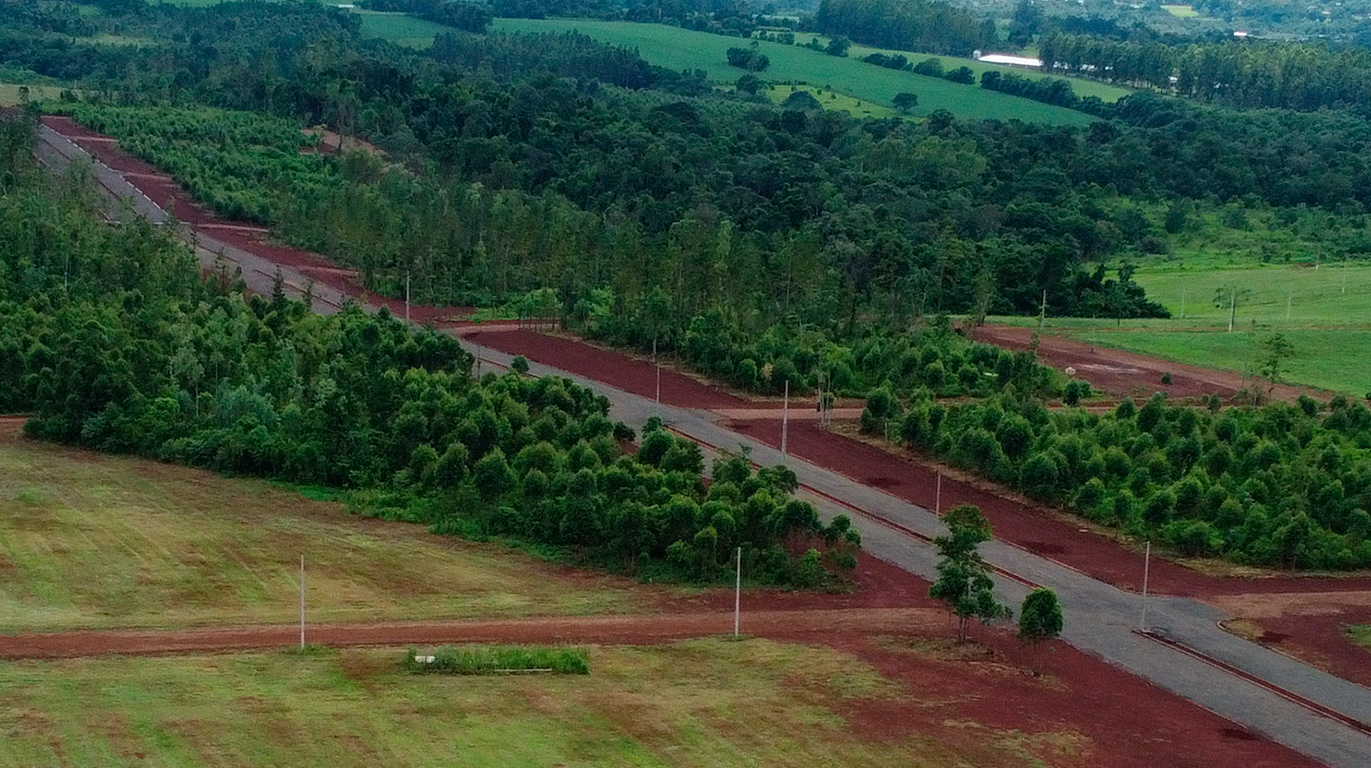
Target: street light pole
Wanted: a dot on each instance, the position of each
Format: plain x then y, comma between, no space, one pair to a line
738,595
1147,564
785,423
302,601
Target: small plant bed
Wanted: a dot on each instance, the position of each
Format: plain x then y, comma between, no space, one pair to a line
500,660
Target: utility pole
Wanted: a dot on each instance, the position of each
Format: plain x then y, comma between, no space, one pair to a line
938,496
657,363
1042,313
406,296
1147,564
738,595
1182,302
302,601
1232,307
785,423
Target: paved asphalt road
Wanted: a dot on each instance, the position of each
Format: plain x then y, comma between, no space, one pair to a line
1101,619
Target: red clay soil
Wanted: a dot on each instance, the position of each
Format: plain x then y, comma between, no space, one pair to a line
1017,523
1128,373
1312,628
1322,641
631,375
1082,712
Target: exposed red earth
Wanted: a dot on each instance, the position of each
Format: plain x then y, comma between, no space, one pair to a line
1128,721
1036,530
1081,712
1312,628
631,375
1128,374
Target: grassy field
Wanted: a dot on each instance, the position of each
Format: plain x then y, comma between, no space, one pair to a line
400,28
1181,11
1082,87
99,541
683,49
1360,634
710,702
1325,312
9,93
834,100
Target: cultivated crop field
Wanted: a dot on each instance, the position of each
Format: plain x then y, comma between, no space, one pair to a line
680,49
88,542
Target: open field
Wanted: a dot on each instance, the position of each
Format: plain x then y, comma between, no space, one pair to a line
1181,11
674,705
1103,91
1325,312
10,96
89,541
834,100
400,28
679,49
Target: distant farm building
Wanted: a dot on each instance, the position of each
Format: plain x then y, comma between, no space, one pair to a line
1012,61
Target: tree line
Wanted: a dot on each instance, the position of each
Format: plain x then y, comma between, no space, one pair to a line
1301,76
907,25
110,338
1282,485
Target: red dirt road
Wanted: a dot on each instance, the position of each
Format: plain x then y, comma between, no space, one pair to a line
1035,530
1128,374
607,630
626,373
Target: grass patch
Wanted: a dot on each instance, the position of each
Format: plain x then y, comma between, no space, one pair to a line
499,659
1181,11
706,702
835,101
97,541
400,28
12,94
1360,634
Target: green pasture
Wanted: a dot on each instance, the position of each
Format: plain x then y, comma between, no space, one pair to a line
1328,320
96,541
696,703
1181,11
1103,91
834,100
400,28
1338,360
681,49
10,93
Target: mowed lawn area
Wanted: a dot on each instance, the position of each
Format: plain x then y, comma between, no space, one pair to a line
696,703
681,49
96,541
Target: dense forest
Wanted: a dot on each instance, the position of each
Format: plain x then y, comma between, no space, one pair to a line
906,25
765,245
111,339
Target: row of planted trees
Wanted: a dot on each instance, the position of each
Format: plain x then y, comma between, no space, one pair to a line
111,340
1284,485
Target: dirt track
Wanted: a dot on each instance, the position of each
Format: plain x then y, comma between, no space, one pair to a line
604,630
1128,374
